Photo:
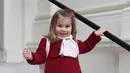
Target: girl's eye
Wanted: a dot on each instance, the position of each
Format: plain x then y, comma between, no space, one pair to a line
59,25
67,26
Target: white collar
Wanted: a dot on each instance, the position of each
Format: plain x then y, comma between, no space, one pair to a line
69,47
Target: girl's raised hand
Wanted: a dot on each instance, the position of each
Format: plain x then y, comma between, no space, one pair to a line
100,31
27,54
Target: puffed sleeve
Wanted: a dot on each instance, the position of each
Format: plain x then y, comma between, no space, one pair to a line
39,56
88,44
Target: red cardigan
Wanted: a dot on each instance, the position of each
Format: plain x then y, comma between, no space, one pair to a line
59,64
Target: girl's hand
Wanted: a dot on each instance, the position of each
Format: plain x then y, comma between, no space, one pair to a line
27,54
100,31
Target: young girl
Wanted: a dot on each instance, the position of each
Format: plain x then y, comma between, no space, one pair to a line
64,47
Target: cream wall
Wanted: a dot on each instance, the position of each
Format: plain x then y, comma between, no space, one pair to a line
25,21
13,30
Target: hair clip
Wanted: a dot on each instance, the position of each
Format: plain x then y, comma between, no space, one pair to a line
68,9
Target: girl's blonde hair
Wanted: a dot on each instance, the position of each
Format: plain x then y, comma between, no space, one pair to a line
65,13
